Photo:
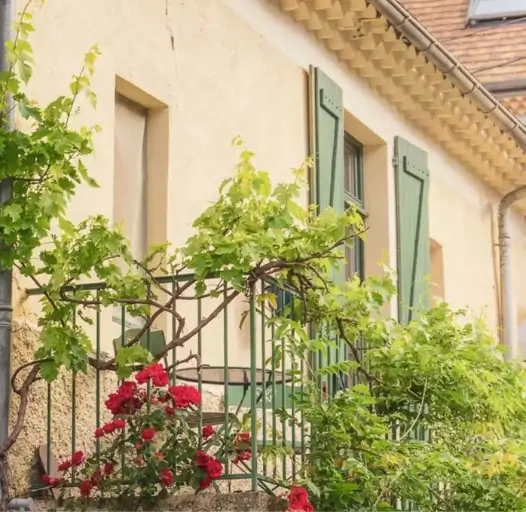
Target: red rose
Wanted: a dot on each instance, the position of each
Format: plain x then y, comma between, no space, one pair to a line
109,468
52,481
109,428
77,458
124,401
99,432
299,500
64,465
143,376
85,488
244,455
139,461
127,389
298,494
159,455
205,483
214,468
155,372
119,423
166,477
201,459
159,375
170,411
147,434
208,431
184,396
242,438
96,477
138,446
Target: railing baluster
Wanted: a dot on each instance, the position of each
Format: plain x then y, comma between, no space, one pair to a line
73,405
264,378
173,375
293,406
253,396
97,374
283,397
226,426
199,376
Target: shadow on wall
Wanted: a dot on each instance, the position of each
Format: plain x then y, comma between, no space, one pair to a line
437,272
521,336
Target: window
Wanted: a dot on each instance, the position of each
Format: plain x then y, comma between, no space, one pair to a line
491,10
130,182
353,186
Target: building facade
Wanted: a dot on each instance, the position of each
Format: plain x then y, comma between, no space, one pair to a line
398,127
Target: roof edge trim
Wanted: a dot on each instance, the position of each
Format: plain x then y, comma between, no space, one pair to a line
468,85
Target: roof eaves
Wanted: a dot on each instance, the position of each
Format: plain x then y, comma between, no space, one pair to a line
404,22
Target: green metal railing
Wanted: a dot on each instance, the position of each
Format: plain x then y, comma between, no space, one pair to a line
221,345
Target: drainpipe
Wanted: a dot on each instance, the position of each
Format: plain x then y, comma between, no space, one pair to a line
402,20
6,17
509,320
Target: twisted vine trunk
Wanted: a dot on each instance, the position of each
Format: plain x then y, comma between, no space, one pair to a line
23,392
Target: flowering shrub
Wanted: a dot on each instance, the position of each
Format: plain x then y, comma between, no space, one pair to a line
148,447
298,500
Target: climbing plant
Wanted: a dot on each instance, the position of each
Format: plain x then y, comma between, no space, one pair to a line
253,231
441,374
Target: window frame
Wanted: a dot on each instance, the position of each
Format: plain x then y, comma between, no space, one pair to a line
478,14
351,145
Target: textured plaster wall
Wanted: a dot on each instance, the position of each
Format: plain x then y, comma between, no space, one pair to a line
462,208
210,74
211,69
205,76
23,456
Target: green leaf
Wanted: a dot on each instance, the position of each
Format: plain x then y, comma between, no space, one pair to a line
128,356
49,371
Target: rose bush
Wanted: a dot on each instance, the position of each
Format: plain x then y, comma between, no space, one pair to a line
148,448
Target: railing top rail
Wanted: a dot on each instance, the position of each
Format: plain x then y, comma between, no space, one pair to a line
100,285
162,279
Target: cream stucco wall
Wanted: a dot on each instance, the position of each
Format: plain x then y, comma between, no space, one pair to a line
206,71
210,69
462,209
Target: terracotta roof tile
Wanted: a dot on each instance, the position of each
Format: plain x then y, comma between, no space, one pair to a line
516,104
478,47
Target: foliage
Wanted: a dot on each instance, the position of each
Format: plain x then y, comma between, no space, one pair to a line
435,416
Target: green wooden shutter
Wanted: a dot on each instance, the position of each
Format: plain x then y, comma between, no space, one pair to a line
327,144
327,184
412,187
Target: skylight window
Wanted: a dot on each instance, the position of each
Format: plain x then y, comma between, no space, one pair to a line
492,10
